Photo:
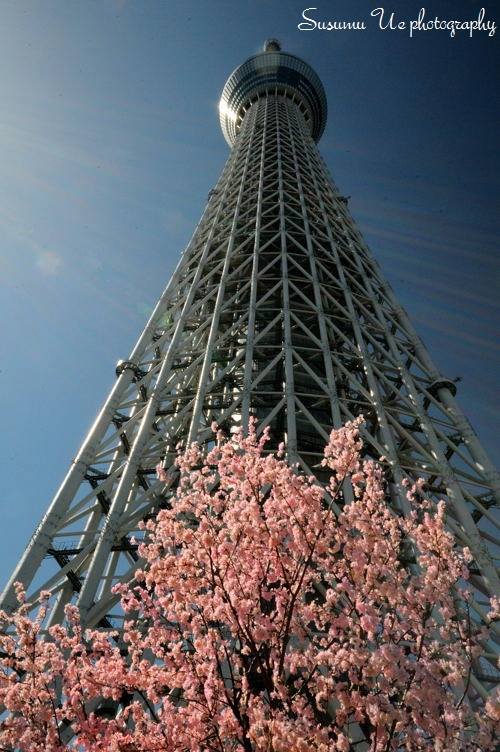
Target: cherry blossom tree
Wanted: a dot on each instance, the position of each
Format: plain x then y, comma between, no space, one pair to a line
266,619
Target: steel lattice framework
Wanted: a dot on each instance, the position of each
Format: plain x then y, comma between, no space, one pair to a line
278,310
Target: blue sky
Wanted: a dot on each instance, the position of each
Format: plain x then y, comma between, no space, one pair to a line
110,142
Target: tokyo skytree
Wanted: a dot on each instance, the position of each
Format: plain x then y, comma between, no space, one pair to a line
277,310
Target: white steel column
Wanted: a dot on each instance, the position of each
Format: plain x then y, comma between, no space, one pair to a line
277,309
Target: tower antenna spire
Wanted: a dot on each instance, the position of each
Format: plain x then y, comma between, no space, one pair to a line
272,45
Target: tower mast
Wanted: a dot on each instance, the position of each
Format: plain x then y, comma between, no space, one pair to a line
277,310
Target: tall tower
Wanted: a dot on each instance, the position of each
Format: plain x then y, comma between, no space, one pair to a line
277,310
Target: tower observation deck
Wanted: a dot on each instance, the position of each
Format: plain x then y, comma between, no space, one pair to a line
278,310
272,73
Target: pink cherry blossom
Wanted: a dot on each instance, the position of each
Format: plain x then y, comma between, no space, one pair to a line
263,622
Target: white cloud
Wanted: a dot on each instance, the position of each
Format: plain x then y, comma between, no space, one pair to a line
49,262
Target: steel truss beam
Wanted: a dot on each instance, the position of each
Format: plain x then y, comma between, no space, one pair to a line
276,310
